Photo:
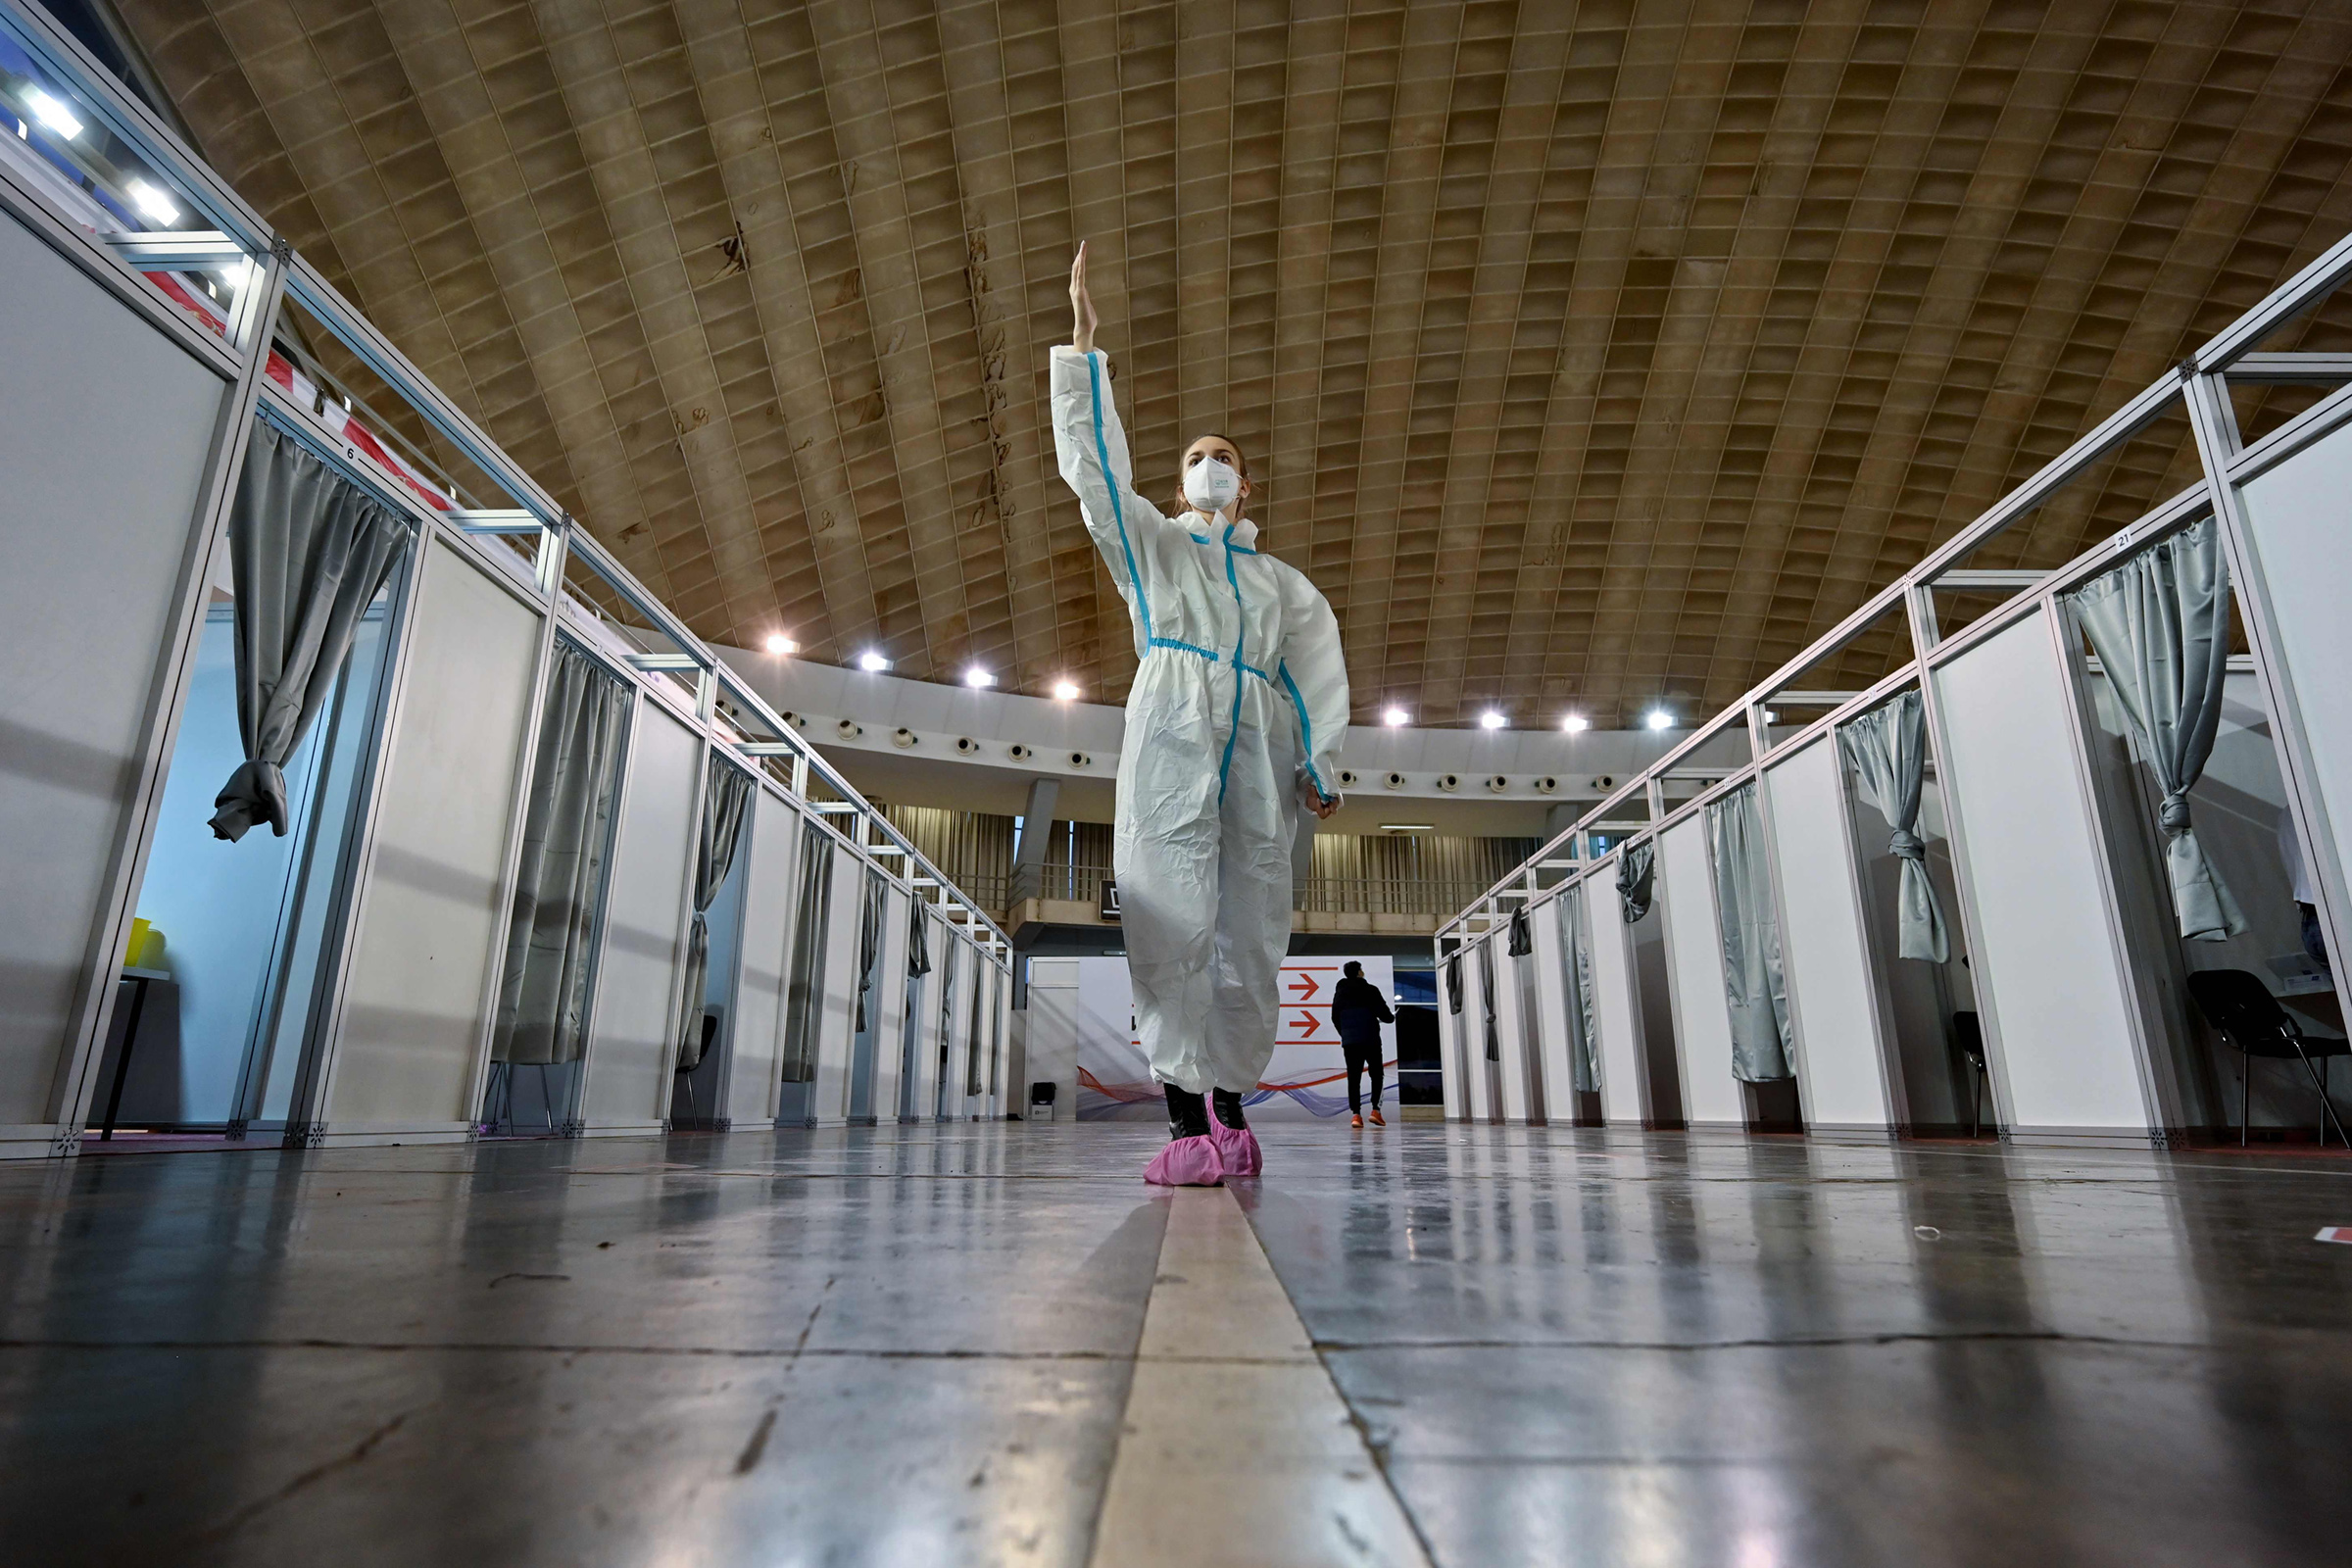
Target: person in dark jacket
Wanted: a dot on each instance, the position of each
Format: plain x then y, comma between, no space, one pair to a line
1357,1010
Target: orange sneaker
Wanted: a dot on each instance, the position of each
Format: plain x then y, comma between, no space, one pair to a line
1377,1121
1357,1122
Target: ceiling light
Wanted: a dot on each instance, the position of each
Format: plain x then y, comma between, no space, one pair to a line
1576,724
154,203
1065,692
1658,718
1489,719
872,662
51,113
1394,716
1408,827
779,643
977,678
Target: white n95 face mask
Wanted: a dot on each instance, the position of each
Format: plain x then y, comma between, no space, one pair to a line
1211,484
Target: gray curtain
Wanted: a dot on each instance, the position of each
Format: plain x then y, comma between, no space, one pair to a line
559,884
918,941
2160,624
1888,749
726,808
1636,872
1576,981
1454,981
871,915
308,550
1485,996
1753,980
1523,934
804,987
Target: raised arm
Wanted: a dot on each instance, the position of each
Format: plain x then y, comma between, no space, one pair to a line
1313,676
1091,445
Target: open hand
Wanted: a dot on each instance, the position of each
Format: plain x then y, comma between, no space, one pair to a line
1083,320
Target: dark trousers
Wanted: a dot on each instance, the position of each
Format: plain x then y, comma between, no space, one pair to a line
1364,1058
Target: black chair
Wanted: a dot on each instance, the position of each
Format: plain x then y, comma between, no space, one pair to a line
1968,1038
2242,1010
1041,1094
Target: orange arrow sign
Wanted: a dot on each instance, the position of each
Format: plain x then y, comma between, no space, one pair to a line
1306,1023
1305,986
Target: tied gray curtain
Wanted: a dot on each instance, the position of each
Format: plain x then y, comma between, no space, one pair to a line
308,550
1888,749
918,944
1523,935
726,806
1753,981
804,991
1636,872
1576,982
870,915
1486,997
559,885
2160,624
1454,981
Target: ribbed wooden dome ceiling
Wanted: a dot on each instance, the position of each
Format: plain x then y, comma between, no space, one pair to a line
1589,353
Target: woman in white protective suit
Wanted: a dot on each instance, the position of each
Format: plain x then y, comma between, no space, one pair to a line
1234,723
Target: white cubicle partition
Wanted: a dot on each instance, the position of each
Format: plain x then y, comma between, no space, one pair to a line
889,999
403,1055
624,1086
1479,1079
2064,1035
1552,1037
2300,581
102,558
1453,1081
1842,1067
837,1017
1616,1004
1513,1032
1703,1015
756,1036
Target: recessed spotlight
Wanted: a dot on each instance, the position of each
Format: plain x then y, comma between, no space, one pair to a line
872,662
154,203
1065,692
977,678
52,113
779,643
1489,719
1394,716
1576,724
1658,718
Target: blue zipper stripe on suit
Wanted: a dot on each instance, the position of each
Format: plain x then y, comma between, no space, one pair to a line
1241,634
1306,730
1110,483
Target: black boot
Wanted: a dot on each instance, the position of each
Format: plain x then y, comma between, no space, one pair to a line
1229,1108
1187,1113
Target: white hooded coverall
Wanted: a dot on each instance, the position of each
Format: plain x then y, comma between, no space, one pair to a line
1239,694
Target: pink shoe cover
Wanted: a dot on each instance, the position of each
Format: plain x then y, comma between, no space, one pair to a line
1186,1162
1237,1147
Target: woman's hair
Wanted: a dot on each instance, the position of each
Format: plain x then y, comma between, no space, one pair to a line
1182,504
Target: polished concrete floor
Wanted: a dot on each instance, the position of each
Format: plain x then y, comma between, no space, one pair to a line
993,1345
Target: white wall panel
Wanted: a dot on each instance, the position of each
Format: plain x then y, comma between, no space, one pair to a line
1843,1062
645,927
767,899
1479,1078
105,425
2046,966
412,1016
1694,957
1616,1004
1054,1031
